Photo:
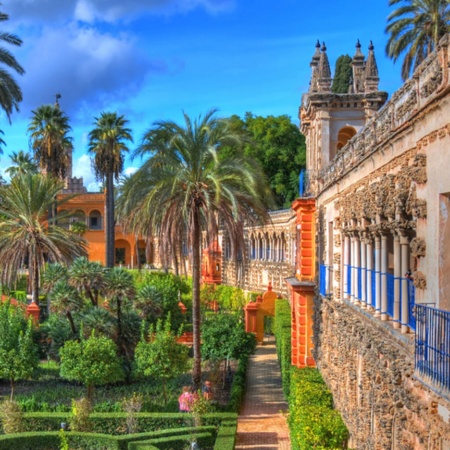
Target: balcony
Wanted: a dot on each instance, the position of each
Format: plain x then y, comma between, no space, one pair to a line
432,356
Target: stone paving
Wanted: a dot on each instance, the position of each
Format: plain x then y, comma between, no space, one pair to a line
262,422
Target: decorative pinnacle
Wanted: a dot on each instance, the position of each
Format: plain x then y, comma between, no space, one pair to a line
57,97
358,44
371,47
324,47
318,44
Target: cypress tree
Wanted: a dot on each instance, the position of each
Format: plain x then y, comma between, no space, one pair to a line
342,75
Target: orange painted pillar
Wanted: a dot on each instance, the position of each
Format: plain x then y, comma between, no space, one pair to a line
304,286
251,310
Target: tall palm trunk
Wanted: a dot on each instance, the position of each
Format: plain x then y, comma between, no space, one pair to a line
197,370
110,220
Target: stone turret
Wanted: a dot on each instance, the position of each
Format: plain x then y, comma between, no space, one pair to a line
330,120
372,79
324,71
314,64
358,66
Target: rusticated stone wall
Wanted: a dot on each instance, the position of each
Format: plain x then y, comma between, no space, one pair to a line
369,368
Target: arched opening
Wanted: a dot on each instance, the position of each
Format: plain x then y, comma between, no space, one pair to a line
95,220
344,135
122,252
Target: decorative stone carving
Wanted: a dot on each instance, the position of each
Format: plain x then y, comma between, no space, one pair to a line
402,189
418,171
414,206
419,279
418,247
433,82
406,107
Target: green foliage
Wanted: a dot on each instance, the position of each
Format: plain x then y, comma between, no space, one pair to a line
167,286
226,437
12,417
79,228
312,420
282,331
238,387
132,406
64,440
92,361
161,357
18,353
224,336
342,75
279,147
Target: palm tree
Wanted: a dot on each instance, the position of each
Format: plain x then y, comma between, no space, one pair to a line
107,142
26,236
184,189
51,144
23,164
87,277
65,299
10,93
119,289
415,29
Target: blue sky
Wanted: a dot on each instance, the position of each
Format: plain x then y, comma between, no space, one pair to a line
152,59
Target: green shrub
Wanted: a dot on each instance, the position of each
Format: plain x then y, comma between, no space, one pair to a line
282,331
313,422
12,417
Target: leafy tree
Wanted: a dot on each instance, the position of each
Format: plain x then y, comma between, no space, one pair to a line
415,29
49,137
10,92
342,75
91,361
18,353
149,303
161,357
224,337
25,234
23,164
277,144
183,189
107,142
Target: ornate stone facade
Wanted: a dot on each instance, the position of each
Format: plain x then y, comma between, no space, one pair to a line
383,301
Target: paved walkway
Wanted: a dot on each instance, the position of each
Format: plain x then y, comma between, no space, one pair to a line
261,422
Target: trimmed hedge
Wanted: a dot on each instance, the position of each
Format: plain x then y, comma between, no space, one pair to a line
282,331
223,439
313,422
226,438
115,423
205,440
238,387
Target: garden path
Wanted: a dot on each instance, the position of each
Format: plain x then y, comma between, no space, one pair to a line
262,423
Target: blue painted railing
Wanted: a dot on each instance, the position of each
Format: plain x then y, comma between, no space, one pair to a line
304,184
359,275
325,280
432,356
411,305
390,294
348,268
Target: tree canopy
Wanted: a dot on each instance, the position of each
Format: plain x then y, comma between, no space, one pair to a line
277,144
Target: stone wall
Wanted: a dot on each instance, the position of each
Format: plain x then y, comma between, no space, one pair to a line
369,368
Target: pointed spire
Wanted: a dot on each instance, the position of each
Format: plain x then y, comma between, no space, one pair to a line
324,71
314,66
372,79
358,69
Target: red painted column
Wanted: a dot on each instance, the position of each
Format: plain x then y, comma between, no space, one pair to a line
303,289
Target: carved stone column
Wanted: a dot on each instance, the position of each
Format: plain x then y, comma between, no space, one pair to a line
356,266
384,269
363,270
404,310
369,269
397,276
377,274
346,286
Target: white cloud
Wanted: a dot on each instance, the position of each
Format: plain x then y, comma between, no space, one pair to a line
130,170
89,11
81,167
85,66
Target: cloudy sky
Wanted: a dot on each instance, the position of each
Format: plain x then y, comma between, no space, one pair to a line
152,59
